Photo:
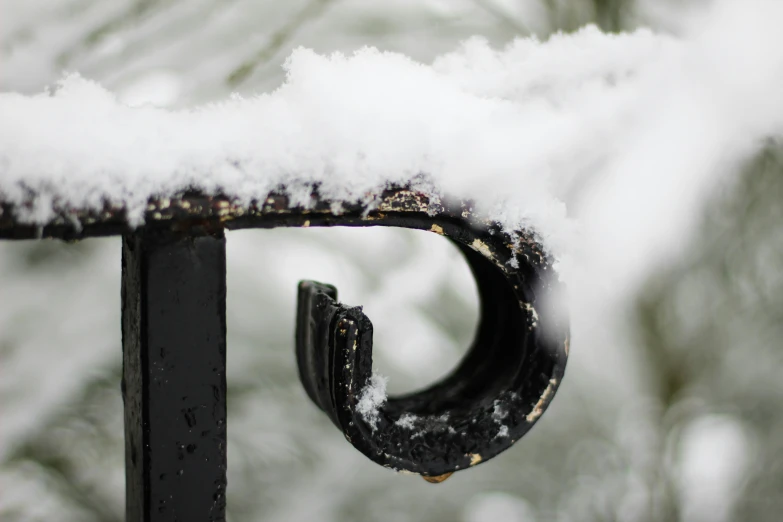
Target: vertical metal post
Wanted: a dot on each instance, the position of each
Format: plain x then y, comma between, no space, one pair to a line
174,376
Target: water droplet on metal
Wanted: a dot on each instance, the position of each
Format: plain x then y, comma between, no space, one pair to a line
438,479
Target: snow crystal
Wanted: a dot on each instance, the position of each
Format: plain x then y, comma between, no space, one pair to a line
373,396
406,421
499,412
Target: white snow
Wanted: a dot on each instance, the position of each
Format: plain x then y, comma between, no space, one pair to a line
499,412
373,396
472,122
406,421
564,136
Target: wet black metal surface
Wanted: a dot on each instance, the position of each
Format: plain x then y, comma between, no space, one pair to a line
194,213
496,394
174,376
173,295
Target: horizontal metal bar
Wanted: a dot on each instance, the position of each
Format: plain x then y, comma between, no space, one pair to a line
199,214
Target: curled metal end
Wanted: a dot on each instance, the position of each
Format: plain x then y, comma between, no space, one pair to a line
499,390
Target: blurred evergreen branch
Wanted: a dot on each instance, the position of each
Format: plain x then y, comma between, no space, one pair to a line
279,38
83,427
609,15
132,15
692,354
503,17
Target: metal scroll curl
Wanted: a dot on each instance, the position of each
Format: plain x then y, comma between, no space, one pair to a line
496,394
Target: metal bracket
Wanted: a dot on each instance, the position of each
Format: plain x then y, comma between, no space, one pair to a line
173,296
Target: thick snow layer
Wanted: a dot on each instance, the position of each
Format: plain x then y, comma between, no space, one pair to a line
473,123
592,140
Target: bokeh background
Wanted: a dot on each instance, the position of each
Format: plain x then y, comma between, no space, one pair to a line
677,417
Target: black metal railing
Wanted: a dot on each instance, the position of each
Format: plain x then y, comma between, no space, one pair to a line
174,342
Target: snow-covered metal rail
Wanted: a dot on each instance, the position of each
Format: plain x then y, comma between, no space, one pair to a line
174,341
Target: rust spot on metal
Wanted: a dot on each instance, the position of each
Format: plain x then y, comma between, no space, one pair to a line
475,458
437,479
437,229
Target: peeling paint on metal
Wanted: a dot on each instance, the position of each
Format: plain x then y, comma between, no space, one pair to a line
532,312
538,409
479,246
